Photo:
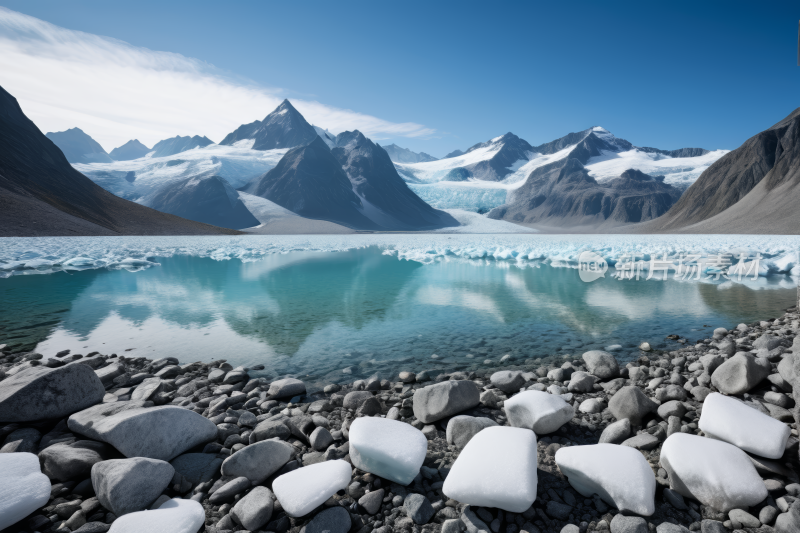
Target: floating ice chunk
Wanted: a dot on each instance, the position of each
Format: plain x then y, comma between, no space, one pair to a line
542,412
730,420
712,472
618,474
387,448
303,490
497,468
23,487
174,516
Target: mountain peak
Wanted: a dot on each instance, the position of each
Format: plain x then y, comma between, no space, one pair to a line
284,127
79,147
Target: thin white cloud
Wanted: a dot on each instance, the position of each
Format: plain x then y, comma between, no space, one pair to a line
116,92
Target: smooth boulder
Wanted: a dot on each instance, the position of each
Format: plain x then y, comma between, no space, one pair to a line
254,510
740,373
63,462
387,448
128,485
508,381
258,461
601,364
461,429
197,467
155,432
444,399
335,520
174,516
286,388
23,487
303,490
631,403
540,411
43,393
620,475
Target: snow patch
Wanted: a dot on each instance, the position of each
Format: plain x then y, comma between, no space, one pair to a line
678,171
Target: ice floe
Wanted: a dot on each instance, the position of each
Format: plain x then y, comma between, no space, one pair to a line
387,448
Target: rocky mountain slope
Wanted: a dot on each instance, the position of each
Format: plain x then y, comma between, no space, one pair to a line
179,144
753,189
404,155
129,151
208,199
283,128
42,194
78,147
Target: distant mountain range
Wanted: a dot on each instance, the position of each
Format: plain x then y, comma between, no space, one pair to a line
42,194
79,147
404,155
179,144
129,151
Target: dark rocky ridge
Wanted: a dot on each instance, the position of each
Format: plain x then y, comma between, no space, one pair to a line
753,189
404,155
283,128
207,199
78,147
375,179
129,151
309,181
42,194
563,193
178,144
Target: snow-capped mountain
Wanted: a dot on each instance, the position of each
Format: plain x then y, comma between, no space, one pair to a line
283,128
178,144
386,198
78,147
129,151
208,199
454,183
404,155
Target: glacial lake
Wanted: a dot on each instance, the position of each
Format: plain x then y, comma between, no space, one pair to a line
338,308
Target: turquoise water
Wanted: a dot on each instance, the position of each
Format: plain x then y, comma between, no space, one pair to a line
337,316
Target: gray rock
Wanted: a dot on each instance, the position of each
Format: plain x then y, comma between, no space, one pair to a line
700,393
320,439
407,377
630,402
472,522
558,510
128,485
671,393
592,406
616,432
768,514
570,528
629,524
148,389
230,489
602,364
286,388
789,522
418,508
108,373
156,432
371,501
581,382
444,399
740,373
258,461
767,342
354,399
42,393
254,510
270,429
675,499
63,462
22,440
83,421
369,407
93,527
711,361
334,520
453,525
247,419
671,408
461,429
744,518
508,381
712,526
197,467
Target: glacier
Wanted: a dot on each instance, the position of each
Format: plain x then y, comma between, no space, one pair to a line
43,255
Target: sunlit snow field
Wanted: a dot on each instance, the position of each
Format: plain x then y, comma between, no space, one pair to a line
336,307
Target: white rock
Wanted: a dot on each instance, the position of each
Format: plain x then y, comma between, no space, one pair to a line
727,419
387,448
303,490
174,516
618,474
712,472
497,468
542,412
23,487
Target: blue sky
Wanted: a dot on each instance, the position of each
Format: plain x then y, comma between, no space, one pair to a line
668,75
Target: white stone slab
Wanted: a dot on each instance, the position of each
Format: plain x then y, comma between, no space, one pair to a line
542,412
712,472
387,448
23,487
620,475
724,418
174,516
303,490
497,468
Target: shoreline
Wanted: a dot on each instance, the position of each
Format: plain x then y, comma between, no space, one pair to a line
315,428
